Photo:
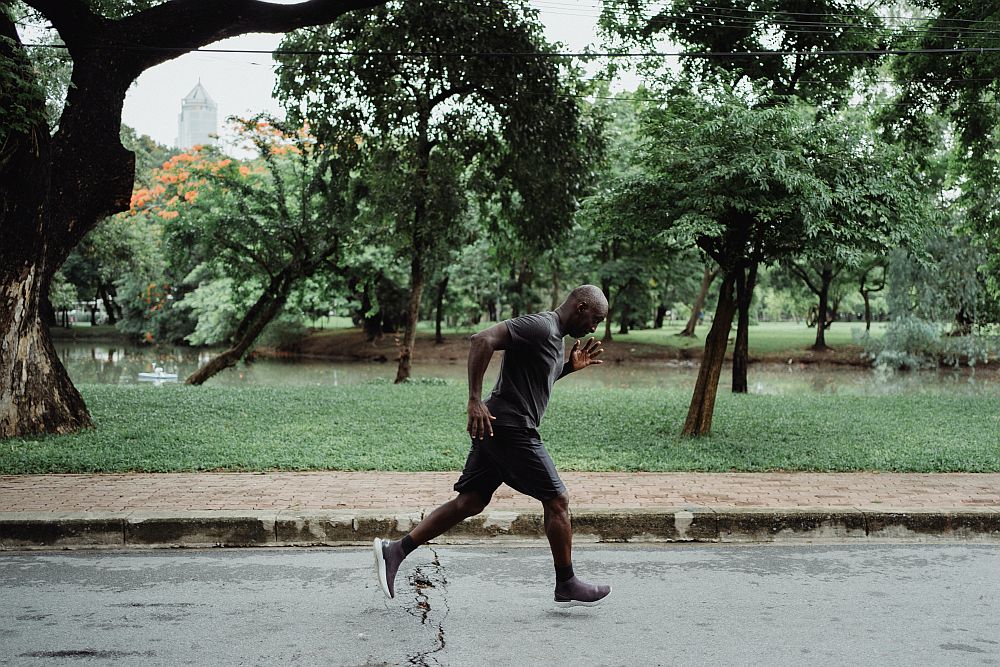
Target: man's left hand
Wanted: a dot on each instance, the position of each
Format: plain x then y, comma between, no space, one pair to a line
581,357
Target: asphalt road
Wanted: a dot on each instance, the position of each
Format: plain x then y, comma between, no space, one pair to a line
813,604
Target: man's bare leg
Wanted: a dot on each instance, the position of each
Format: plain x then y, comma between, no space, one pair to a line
390,554
570,591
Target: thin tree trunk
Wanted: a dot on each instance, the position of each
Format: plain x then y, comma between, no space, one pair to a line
826,278
109,305
661,312
439,310
623,318
868,310
250,327
706,282
745,284
606,288
417,246
699,417
413,312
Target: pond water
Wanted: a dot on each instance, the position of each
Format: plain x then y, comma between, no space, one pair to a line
117,363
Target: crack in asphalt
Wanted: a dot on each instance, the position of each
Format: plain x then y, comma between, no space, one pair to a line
425,577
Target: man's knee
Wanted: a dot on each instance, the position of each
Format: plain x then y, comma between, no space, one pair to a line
558,505
471,503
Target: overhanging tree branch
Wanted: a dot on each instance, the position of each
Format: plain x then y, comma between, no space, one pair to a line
73,20
195,23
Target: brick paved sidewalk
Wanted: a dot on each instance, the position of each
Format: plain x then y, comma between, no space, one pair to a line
368,490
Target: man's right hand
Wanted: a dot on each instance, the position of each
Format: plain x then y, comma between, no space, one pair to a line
480,419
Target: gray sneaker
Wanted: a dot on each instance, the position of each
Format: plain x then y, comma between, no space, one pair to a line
388,556
576,593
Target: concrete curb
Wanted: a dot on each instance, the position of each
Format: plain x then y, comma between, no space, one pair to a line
239,528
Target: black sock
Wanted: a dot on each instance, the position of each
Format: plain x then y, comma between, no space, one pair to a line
407,544
564,573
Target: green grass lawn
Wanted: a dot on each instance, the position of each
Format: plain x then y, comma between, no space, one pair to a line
420,426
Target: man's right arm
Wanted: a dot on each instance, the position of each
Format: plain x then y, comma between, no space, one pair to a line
484,344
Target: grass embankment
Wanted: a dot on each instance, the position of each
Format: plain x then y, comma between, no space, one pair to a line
420,427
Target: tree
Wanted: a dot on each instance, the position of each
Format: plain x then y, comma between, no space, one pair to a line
54,189
759,26
267,225
751,186
962,88
821,80
708,276
428,121
871,278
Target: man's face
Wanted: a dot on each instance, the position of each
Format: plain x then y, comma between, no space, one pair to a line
585,320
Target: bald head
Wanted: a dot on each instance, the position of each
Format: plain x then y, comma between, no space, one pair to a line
592,295
583,310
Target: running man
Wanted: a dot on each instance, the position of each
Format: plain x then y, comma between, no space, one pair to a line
506,447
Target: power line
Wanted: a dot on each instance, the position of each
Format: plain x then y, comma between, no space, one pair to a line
540,54
762,13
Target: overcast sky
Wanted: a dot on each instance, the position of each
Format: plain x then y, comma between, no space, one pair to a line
242,83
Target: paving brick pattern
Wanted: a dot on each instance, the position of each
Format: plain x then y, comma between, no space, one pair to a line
367,490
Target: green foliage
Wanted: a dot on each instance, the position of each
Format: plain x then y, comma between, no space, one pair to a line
22,91
763,184
62,293
507,118
963,90
214,307
760,26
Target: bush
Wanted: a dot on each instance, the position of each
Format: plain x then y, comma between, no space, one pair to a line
912,343
909,343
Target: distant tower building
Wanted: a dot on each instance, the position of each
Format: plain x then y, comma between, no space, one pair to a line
196,123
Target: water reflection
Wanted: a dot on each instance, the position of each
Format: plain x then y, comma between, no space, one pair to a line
95,363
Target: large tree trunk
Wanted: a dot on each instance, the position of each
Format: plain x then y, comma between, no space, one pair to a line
826,277
36,394
699,417
439,310
706,281
741,350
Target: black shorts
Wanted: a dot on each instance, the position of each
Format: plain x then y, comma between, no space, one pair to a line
513,456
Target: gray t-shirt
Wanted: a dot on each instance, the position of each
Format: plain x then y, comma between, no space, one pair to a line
531,365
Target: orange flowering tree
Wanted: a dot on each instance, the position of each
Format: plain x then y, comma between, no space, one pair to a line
265,225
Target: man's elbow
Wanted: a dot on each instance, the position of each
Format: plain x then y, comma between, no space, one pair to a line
479,340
